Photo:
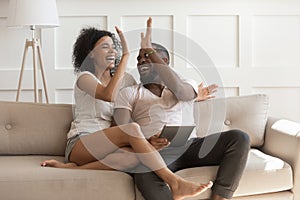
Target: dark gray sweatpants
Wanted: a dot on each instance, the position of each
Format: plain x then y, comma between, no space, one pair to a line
229,150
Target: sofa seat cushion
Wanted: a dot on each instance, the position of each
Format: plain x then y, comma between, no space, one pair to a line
286,195
22,177
263,174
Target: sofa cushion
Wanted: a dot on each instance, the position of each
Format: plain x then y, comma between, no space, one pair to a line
287,195
272,174
22,177
247,113
31,128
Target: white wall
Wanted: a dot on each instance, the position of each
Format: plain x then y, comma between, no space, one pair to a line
254,45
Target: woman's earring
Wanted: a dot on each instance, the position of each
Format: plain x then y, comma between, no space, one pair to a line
91,55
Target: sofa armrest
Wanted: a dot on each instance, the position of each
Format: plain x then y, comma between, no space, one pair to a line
282,139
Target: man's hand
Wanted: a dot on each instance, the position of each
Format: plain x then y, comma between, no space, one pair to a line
146,38
205,93
158,143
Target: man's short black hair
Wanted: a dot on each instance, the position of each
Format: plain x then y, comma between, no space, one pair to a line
161,50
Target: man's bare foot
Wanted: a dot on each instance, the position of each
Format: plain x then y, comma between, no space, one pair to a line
188,189
55,163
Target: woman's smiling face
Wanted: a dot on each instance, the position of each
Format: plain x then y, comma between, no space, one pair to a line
104,53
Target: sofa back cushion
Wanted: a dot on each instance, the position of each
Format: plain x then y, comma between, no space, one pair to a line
31,128
247,113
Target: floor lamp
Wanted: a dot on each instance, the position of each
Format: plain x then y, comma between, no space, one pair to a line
33,14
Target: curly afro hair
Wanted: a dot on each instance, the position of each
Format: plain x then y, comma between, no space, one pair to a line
85,43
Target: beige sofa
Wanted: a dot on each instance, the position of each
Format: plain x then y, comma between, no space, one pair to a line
31,133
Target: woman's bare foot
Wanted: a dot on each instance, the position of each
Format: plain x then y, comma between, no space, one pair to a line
55,163
185,188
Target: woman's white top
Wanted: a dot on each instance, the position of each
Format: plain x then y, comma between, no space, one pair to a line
90,114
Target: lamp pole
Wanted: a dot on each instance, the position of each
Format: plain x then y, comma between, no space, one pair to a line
34,43
33,14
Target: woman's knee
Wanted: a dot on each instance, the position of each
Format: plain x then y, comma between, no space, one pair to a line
132,129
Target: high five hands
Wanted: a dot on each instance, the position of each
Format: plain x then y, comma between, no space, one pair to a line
204,93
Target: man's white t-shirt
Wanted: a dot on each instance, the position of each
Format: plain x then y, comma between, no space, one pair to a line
152,112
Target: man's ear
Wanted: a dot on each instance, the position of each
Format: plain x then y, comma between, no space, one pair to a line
166,60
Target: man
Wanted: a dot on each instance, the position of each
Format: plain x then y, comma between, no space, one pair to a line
161,98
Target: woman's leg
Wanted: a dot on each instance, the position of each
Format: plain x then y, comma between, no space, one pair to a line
131,134
123,159
102,143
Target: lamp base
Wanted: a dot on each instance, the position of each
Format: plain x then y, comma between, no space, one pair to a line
37,52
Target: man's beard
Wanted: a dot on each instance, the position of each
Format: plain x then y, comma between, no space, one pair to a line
150,78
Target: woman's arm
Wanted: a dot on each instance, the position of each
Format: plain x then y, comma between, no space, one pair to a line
90,85
109,92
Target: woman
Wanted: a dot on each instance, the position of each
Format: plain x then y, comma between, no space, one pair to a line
92,142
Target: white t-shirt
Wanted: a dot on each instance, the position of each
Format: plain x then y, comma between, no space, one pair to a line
152,112
90,114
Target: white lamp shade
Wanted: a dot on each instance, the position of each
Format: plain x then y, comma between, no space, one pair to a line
39,13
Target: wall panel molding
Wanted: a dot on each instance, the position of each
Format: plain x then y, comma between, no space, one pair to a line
254,45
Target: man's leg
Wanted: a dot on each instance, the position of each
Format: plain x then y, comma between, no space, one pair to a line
152,187
149,184
229,150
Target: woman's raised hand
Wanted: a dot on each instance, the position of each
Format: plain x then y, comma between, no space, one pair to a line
146,39
123,41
